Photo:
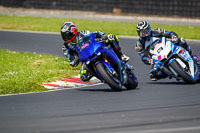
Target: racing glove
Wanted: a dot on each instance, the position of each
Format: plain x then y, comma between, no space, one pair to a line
159,31
174,39
111,38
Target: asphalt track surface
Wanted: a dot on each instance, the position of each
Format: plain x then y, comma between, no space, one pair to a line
165,106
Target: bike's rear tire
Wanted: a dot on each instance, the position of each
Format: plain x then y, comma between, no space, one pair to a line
132,82
102,70
179,70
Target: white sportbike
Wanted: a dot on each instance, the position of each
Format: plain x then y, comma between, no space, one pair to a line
174,60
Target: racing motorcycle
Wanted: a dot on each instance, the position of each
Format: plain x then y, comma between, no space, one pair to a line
174,60
103,63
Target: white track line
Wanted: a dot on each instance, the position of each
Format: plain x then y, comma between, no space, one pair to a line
164,130
51,90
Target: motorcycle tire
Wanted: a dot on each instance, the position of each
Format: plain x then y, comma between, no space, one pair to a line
107,77
132,82
179,70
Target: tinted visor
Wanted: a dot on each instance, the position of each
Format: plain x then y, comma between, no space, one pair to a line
143,33
69,36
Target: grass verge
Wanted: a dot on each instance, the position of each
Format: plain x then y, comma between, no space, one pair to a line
118,28
22,72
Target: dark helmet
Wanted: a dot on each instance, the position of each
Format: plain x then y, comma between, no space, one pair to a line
69,31
143,29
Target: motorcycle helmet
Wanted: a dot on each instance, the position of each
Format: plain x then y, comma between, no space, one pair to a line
144,30
69,32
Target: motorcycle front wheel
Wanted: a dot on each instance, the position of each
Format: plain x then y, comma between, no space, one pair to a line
103,71
179,70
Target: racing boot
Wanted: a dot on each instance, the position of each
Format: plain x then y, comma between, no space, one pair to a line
125,58
156,75
121,56
85,75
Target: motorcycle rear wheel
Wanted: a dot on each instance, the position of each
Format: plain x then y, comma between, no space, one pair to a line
132,82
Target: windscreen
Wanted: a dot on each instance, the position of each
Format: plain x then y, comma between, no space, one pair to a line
84,42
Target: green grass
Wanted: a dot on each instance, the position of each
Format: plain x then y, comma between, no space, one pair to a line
118,28
22,72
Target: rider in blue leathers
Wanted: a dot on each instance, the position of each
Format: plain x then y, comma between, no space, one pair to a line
71,37
145,39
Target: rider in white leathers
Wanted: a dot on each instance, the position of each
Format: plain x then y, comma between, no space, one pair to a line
146,37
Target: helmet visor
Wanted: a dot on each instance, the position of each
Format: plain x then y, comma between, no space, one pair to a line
143,33
69,37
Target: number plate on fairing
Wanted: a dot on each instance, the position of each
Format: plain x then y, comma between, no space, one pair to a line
160,49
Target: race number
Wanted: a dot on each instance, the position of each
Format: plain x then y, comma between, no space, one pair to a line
159,50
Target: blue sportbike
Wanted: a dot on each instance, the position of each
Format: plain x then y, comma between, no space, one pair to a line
174,60
102,62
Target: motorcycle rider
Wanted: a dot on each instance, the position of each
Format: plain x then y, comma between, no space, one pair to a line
146,39
71,37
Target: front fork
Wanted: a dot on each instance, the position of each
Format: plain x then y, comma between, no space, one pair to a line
111,54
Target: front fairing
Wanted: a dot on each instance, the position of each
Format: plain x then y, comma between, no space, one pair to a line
185,56
159,49
88,48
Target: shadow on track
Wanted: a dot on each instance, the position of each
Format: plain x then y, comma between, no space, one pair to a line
171,83
104,90
96,90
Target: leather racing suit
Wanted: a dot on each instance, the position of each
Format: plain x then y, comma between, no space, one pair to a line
142,46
